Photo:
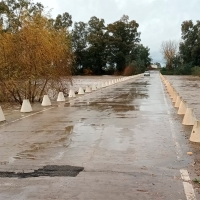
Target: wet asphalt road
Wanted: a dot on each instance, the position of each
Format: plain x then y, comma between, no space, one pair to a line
127,137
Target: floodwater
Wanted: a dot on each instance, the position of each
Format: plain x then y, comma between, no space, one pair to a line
11,109
188,88
127,139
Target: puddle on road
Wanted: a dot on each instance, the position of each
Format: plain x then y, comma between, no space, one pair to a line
124,100
108,106
105,137
125,108
115,105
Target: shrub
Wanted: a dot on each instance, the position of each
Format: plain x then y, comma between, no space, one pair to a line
196,71
183,70
165,71
129,70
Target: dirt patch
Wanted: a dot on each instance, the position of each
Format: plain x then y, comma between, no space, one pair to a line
196,181
49,170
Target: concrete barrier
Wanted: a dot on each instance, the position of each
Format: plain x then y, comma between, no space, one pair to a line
168,87
71,94
174,97
88,89
81,91
46,101
2,117
189,118
60,97
171,93
99,86
182,108
165,82
26,106
178,102
195,134
103,85
170,90
94,88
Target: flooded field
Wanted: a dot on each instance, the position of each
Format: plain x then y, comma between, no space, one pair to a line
188,88
83,81
12,110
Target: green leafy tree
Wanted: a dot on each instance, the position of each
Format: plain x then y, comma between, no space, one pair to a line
183,62
96,55
190,46
100,49
196,71
79,42
123,39
63,21
12,10
143,54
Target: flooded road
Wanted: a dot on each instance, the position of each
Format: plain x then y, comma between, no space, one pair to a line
126,140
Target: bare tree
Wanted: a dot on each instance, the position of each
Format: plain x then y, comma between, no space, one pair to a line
169,50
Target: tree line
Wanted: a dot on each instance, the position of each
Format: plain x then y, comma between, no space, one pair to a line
183,58
37,51
101,49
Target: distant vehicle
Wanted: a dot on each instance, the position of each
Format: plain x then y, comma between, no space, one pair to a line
146,73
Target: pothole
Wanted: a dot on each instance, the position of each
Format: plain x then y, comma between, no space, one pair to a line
49,170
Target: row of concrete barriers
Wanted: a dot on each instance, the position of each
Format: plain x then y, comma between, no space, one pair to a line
26,106
183,109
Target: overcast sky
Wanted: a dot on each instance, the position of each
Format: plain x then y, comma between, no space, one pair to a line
159,20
